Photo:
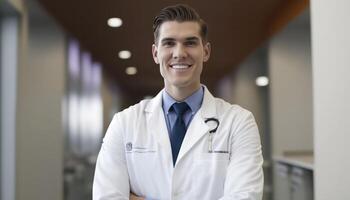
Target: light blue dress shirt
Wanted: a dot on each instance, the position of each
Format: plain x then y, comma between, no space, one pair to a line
194,102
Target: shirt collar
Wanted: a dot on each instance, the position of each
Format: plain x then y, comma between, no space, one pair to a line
194,101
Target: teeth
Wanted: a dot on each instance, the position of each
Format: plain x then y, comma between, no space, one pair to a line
180,66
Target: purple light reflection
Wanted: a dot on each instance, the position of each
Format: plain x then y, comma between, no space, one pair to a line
73,59
86,73
96,75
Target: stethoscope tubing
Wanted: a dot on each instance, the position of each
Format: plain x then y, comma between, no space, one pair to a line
217,124
211,132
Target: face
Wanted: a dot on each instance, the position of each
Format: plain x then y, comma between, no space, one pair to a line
180,53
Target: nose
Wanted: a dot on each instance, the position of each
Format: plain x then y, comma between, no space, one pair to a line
179,52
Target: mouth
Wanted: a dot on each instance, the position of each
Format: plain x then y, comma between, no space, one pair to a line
180,66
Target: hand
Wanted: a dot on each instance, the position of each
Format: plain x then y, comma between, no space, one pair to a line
134,197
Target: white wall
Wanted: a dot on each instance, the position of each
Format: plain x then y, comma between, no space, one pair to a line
331,89
41,88
291,88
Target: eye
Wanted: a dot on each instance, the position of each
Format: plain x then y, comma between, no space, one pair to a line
191,43
168,43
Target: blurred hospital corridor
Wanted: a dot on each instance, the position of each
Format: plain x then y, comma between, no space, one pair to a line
67,67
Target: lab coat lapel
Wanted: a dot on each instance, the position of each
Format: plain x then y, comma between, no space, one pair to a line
198,128
156,125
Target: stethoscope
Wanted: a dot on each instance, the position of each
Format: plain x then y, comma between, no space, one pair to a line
211,132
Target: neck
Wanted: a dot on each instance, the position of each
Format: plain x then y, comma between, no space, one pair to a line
180,94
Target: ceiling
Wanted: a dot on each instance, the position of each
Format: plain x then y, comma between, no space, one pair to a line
236,28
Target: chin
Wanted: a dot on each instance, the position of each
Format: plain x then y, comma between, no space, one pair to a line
180,83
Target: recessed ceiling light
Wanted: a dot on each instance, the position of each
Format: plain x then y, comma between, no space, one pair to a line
262,81
125,54
131,70
114,22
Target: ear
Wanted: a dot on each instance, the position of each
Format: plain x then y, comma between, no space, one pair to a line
155,53
207,50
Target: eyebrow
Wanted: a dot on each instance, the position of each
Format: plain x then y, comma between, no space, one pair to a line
192,38
186,39
167,39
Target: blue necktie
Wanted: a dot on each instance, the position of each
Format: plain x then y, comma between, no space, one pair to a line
179,130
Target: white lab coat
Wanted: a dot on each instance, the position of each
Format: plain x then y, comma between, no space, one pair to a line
136,155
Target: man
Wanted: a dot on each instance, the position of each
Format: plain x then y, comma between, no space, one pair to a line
183,143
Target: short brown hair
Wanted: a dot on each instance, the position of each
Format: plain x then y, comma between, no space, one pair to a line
179,13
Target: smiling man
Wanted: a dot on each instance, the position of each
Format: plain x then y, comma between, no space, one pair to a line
184,143
180,52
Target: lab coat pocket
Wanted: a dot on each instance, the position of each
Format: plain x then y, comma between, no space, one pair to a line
210,168
214,156
142,150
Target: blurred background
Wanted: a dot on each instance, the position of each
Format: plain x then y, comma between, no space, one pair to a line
67,67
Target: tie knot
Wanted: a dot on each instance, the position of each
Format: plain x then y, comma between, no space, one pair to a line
180,108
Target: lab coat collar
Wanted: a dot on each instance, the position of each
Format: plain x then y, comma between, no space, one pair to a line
208,108
156,126
208,101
